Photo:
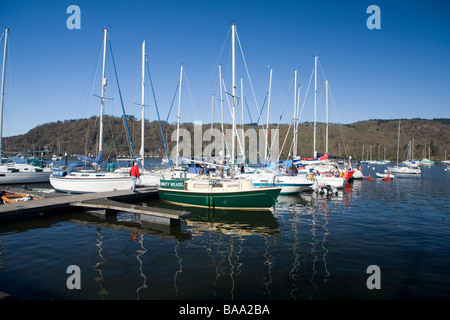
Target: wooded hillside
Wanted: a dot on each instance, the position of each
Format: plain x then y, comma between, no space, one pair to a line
375,136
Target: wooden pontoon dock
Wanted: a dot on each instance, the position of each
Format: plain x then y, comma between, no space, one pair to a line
54,203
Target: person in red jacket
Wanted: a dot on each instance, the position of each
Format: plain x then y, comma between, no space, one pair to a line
134,172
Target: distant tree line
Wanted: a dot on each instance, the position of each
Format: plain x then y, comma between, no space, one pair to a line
361,140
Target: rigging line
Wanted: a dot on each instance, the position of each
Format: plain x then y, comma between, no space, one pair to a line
281,115
112,137
168,115
213,70
246,69
228,102
251,121
189,91
257,121
285,138
121,101
157,111
26,77
93,81
306,95
346,148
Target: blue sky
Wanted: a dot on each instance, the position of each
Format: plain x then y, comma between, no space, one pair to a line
399,71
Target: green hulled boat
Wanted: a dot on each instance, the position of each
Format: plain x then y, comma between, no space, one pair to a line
218,193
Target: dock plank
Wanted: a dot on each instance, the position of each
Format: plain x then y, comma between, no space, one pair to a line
120,206
106,200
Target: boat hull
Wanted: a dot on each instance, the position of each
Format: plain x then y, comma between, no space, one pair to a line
288,184
90,184
226,197
256,199
24,177
404,170
287,188
336,182
385,175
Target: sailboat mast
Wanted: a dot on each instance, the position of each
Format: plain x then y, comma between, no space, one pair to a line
242,114
326,94
212,118
221,112
233,54
294,153
143,104
315,103
398,140
268,113
178,115
3,91
100,139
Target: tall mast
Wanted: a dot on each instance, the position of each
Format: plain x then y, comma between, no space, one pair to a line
398,140
268,112
143,104
326,94
3,91
294,153
242,114
178,116
221,112
104,81
212,119
315,103
233,54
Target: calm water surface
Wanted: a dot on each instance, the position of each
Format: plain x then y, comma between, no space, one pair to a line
308,247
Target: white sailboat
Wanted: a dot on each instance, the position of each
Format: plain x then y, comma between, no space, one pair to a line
92,180
267,177
321,170
12,172
147,177
401,169
289,183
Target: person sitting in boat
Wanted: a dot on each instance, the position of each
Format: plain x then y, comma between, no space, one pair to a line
289,171
336,172
111,167
294,169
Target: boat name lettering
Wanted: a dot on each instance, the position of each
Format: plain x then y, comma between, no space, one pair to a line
173,184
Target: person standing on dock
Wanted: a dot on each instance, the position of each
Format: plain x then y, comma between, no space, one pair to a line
134,172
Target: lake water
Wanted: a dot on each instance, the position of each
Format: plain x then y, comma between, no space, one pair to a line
308,247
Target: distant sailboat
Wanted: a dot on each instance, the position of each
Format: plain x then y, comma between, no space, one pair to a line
401,169
12,172
91,180
319,168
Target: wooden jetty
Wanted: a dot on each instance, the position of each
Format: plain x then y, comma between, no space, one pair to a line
113,201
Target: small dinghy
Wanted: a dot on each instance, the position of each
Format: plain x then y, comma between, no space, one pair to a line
385,176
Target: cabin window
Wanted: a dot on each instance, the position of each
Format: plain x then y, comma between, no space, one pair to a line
201,186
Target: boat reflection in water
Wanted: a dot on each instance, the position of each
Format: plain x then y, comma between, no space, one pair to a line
238,222
211,240
224,237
